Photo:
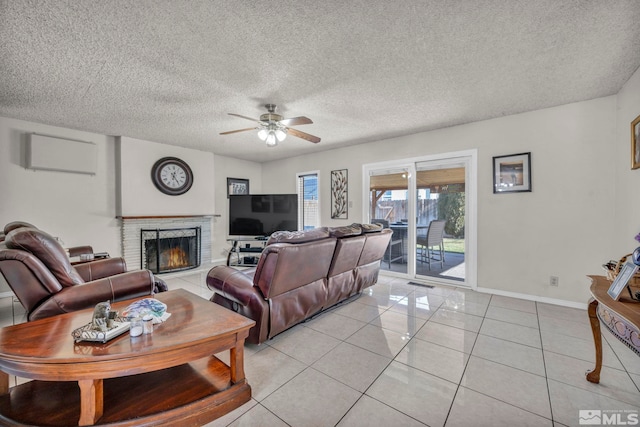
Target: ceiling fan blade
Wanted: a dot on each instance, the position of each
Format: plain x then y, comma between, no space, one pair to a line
243,117
236,131
295,121
303,135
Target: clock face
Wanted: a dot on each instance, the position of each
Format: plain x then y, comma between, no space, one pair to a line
172,176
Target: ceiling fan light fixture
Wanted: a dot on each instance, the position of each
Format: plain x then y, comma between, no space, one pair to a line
280,135
271,140
273,128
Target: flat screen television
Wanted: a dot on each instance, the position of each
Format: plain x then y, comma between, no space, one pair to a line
262,214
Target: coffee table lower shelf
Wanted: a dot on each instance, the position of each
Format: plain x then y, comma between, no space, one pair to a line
191,394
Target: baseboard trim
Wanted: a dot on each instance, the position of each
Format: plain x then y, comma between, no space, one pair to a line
537,298
554,301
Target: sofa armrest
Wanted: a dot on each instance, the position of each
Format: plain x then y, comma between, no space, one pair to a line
120,287
101,268
80,250
234,290
235,285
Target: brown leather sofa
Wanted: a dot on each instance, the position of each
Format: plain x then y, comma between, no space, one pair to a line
300,274
39,272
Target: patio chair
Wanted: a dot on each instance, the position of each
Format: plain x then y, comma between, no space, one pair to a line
432,243
391,256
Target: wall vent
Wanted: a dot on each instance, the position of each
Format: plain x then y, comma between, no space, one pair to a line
422,284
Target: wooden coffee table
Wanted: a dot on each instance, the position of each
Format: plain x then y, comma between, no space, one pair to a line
167,378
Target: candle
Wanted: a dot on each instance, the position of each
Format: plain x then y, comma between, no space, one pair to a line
135,330
147,324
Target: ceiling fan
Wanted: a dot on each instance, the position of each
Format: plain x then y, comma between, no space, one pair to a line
273,128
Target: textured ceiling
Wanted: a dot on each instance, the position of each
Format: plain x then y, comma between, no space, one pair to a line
362,70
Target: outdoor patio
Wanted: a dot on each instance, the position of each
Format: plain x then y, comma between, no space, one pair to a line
453,268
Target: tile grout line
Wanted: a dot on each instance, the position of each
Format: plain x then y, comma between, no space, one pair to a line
363,393
309,366
624,368
466,364
456,394
544,364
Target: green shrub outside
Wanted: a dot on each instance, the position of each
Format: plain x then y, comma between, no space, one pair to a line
451,208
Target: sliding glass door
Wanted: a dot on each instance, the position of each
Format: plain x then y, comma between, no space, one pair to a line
430,204
440,220
388,196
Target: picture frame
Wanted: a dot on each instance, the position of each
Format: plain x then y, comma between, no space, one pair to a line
237,186
512,173
622,280
339,194
635,143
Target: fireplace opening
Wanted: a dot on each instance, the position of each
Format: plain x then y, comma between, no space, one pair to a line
165,250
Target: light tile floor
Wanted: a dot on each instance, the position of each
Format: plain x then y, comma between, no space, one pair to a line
408,355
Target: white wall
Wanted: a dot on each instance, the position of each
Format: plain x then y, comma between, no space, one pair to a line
582,211
140,197
78,208
83,209
563,228
626,222
228,167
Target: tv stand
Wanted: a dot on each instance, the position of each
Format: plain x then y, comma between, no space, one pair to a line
245,251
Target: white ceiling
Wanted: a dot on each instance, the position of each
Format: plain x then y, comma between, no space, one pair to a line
362,70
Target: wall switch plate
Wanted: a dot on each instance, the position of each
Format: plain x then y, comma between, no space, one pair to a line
553,280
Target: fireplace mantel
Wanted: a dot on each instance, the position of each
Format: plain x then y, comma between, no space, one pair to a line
163,216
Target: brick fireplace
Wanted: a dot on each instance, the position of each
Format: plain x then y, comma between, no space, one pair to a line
166,243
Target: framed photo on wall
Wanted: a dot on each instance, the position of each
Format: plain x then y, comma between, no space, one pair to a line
339,192
237,186
635,143
512,173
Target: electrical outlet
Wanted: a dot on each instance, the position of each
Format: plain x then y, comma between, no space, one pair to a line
553,280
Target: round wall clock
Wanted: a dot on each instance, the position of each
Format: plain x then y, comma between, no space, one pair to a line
172,176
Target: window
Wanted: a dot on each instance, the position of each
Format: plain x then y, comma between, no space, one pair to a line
308,201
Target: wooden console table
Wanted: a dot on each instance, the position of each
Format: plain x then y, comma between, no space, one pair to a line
621,317
166,378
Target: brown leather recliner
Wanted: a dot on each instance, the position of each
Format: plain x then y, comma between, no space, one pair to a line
300,274
38,270
73,251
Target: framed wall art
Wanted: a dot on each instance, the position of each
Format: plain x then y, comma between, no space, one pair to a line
512,173
339,193
635,143
237,186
